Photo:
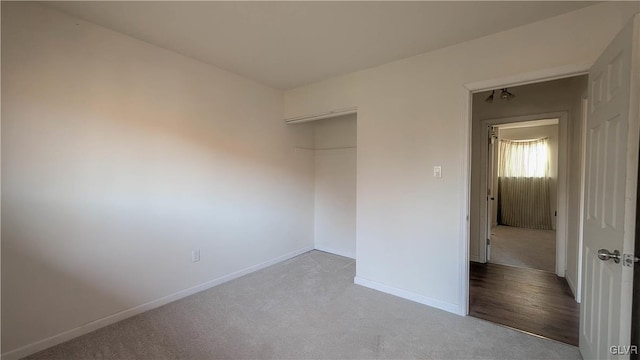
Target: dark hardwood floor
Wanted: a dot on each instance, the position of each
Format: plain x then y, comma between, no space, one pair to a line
534,301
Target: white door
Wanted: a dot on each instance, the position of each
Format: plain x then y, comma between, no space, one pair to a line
610,196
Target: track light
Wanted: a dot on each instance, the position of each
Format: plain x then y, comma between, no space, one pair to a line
506,95
489,99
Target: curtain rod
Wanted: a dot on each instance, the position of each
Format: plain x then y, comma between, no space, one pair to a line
526,140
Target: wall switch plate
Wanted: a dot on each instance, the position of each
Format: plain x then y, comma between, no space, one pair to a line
437,171
195,255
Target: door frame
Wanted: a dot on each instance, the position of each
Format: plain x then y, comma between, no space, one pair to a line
562,200
468,90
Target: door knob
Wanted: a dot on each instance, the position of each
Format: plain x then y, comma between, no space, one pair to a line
605,255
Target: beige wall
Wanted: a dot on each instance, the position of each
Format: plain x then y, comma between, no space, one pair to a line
412,115
537,132
118,159
335,185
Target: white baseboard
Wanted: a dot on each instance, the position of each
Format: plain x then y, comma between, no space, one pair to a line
474,258
336,251
119,316
425,300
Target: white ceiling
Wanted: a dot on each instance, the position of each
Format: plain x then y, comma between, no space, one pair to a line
288,44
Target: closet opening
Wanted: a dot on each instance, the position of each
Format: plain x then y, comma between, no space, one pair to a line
334,156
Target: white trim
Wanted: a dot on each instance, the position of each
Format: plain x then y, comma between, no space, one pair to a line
531,78
463,246
119,316
320,116
330,250
452,308
562,220
483,221
531,123
583,166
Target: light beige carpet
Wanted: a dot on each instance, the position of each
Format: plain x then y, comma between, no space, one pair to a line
304,308
528,248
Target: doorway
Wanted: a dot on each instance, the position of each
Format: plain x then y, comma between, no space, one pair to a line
525,173
608,140
523,205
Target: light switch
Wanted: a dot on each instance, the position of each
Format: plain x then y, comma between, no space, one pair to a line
437,171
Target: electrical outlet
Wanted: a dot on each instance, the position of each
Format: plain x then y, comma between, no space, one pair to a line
195,255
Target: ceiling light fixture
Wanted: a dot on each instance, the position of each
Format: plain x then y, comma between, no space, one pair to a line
506,95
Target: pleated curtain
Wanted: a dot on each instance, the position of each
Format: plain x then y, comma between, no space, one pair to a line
523,184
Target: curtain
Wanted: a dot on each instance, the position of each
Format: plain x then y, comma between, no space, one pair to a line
523,184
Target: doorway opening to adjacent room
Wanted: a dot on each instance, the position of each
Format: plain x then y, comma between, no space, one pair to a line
600,255
525,201
522,197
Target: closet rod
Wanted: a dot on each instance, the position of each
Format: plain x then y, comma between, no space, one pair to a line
333,148
325,115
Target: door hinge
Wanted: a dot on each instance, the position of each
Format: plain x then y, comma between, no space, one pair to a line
629,259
